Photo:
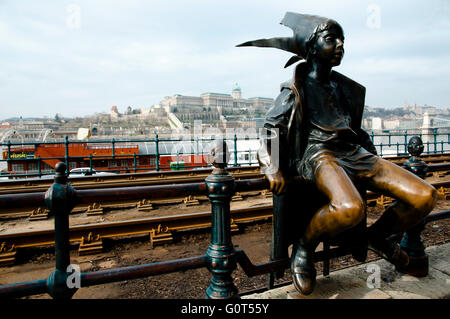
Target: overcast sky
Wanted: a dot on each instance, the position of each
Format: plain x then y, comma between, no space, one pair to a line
77,58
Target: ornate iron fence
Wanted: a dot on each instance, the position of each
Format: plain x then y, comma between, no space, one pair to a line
389,143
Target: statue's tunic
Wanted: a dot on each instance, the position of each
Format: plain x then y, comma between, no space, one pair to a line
315,122
329,133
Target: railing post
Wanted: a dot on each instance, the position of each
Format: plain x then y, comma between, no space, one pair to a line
113,142
221,253
60,199
66,156
406,140
235,151
90,163
39,166
435,140
157,152
134,162
412,242
9,149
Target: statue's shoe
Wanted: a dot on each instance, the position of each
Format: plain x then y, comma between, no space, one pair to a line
392,252
303,271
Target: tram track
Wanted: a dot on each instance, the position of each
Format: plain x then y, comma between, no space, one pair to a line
162,229
159,230
35,208
125,180
33,205
437,161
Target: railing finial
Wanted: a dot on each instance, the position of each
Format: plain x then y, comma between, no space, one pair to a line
219,155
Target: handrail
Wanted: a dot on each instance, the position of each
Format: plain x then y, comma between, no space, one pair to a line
126,193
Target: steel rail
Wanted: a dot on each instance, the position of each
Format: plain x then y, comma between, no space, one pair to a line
146,226
152,178
121,180
135,227
13,205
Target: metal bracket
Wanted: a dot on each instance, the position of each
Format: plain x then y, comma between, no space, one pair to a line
384,201
39,213
234,228
191,201
92,244
266,194
94,209
160,235
7,254
237,197
144,205
444,192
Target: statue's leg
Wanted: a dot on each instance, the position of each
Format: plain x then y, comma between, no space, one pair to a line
415,199
344,210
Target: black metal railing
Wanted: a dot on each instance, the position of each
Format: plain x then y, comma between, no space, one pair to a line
391,143
220,258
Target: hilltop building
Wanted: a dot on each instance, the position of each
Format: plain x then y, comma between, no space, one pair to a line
214,107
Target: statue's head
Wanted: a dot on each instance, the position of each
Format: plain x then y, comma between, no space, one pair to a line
314,37
326,44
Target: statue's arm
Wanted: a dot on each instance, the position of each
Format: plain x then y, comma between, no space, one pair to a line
273,141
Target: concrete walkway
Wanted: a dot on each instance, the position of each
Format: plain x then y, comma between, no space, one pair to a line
354,282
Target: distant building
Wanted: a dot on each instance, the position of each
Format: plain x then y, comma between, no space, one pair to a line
377,123
212,106
114,112
5,125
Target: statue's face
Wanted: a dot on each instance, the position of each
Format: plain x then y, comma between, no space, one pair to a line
329,46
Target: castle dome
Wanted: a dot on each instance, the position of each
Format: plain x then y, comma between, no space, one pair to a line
236,87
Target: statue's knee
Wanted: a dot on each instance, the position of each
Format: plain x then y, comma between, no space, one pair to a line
350,213
425,201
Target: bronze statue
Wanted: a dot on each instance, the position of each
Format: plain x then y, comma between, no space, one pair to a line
316,126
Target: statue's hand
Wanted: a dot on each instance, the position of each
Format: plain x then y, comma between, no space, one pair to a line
277,182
